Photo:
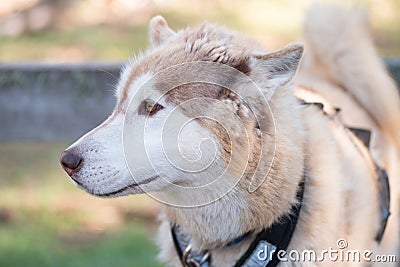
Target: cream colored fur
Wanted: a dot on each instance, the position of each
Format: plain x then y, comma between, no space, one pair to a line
340,69
341,191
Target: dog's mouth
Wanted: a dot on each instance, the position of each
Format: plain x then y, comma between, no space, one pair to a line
131,187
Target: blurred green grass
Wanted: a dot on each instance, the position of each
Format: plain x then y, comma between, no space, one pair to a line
46,221
272,23
90,42
38,244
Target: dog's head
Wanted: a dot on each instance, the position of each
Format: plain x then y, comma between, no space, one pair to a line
191,110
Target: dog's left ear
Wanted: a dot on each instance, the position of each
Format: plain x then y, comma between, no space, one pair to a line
159,31
274,70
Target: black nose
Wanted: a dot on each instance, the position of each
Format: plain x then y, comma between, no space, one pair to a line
71,161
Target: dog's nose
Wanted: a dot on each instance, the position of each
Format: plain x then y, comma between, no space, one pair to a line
71,161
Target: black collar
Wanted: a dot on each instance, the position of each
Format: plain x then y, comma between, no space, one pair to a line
274,238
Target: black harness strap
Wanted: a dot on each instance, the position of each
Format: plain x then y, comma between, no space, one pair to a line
279,234
384,201
383,185
178,248
362,134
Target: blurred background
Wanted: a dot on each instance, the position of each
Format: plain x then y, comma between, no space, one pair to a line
59,63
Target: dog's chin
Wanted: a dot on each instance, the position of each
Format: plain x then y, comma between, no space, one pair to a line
117,191
112,193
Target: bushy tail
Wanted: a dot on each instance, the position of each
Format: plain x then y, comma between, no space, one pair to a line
339,41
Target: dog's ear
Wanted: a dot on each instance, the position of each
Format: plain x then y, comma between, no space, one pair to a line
275,69
159,31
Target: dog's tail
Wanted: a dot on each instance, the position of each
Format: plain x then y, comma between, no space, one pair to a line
339,42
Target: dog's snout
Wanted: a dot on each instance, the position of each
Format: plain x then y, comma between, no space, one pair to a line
71,161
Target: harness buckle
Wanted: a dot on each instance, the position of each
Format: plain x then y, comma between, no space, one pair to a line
192,261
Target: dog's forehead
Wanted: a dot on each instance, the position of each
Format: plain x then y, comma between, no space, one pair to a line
205,43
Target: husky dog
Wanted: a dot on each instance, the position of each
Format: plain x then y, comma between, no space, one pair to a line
303,163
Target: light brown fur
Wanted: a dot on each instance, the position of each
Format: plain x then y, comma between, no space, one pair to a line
341,198
286,139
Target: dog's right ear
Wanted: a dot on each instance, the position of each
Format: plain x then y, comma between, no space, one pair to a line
275,69
159,31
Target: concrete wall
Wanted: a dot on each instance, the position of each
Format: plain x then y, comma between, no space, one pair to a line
54,102
44,102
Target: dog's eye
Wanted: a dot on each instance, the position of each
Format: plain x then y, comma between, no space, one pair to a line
151,107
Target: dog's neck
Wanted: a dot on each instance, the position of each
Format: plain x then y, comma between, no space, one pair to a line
241,211
214,224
